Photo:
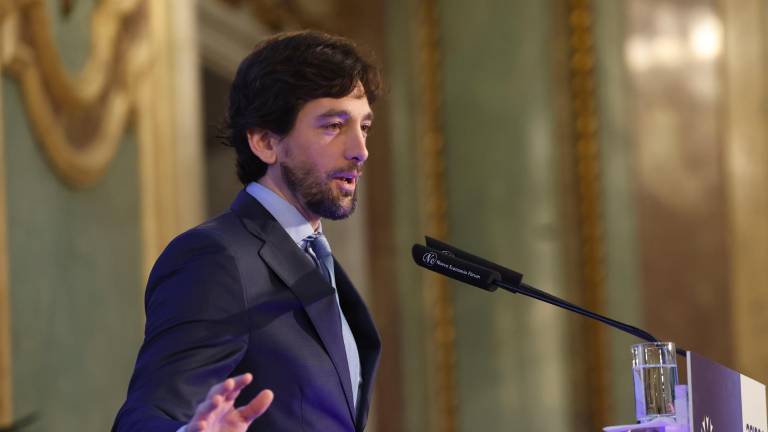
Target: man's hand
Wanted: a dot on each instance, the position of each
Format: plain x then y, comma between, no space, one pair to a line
217,412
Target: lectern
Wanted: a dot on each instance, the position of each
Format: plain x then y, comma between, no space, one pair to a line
715,399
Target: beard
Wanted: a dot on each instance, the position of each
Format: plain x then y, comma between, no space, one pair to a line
314,190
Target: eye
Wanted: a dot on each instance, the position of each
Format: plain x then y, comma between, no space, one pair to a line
366,128
334,127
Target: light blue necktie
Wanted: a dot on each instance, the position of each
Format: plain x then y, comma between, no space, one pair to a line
321,255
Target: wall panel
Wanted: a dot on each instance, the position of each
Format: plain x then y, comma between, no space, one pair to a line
91,194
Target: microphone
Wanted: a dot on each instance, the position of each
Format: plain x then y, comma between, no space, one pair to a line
455,268
511,277
512,280
464,267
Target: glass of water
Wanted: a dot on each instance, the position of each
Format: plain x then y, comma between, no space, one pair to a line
654,367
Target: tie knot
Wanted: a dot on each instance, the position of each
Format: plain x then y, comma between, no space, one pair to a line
319,245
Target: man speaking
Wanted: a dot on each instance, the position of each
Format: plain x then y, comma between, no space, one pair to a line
251,322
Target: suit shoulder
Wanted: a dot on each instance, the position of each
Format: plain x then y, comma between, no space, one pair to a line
216,236
209,249
220,231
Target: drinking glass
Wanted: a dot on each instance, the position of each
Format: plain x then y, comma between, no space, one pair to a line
654,367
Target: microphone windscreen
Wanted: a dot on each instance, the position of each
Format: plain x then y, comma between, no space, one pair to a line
507,275
455,268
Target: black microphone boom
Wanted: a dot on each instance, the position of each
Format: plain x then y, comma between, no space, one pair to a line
462,266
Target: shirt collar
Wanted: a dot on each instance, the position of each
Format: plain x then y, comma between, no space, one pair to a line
284,212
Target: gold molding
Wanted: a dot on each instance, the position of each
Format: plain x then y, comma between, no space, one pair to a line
108,90
167,123
438,299
184,106
131,74
78,121
584,107
158,167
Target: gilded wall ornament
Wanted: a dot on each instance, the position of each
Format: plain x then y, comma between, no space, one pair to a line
589,180
137,68
77,119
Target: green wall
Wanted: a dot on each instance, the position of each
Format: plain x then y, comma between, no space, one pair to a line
75,288
504,196
510,195
622,256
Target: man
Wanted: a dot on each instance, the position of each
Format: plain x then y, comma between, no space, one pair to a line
253,299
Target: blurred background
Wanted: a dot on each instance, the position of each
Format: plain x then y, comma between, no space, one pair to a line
615,152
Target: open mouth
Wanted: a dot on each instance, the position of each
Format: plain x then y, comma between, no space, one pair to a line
346,178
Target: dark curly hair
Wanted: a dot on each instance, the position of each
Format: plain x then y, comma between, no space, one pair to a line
279,77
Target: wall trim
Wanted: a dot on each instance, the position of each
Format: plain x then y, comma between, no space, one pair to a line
438,301
78,120
141,78
167,119
589,199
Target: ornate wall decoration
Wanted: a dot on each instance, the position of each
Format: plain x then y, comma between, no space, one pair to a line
584,106
140,67
134,71
439,302
78,120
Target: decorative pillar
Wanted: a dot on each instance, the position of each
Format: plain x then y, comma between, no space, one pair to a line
437,299
584,106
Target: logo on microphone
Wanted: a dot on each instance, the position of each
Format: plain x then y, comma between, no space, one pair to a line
706,425
429,258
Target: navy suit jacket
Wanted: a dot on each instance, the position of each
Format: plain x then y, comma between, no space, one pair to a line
237,295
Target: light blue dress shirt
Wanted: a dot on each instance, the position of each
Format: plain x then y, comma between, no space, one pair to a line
299,228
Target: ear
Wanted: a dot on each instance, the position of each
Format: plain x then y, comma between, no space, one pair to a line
263,144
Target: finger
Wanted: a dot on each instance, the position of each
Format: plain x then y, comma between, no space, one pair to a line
240,382
220,388
197,426
205,409
257,406
230,384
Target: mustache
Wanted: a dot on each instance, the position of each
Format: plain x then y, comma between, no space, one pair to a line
349,168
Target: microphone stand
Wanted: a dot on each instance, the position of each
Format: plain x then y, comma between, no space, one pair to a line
537,294
511,281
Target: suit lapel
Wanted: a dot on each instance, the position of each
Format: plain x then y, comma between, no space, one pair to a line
301,276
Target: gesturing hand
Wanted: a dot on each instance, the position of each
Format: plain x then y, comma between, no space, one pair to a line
217,412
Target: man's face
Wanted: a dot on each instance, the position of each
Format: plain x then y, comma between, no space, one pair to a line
322,157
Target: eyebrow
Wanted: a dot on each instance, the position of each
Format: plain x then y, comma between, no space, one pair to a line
344,114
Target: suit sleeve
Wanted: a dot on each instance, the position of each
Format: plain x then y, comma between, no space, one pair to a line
196,334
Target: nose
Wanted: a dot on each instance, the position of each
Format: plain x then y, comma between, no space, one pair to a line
356,147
